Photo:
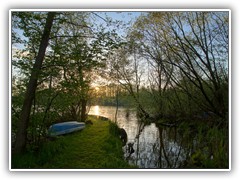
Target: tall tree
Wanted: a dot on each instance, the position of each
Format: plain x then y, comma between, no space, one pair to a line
200,52
188,50
125,71
21,137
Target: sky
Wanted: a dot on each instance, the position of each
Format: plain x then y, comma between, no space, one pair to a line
125,17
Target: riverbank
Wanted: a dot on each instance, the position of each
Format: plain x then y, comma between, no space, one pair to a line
96,146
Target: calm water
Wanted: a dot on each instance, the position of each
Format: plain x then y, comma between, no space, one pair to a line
148,146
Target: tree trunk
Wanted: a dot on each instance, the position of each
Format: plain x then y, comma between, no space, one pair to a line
21,138
117,102
83,109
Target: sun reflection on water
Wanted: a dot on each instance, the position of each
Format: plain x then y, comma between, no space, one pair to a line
96,110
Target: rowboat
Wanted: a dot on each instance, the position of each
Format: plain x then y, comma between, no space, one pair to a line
65,128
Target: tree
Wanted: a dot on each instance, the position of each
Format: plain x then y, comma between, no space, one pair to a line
21,137
201,54
186,50
148,33
125,71
81,52
74,52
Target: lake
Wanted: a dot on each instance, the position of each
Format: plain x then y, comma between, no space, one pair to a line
148,146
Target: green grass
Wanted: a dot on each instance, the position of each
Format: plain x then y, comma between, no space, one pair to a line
96,146
211,144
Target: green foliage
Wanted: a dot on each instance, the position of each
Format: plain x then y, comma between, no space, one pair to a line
97,146
35,159
76,52
208,145
185,74
123,100
114,129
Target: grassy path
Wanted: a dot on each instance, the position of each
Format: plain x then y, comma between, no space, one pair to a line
96,146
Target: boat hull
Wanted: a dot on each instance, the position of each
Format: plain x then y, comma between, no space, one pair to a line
65,128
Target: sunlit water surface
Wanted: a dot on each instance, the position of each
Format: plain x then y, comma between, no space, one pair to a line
152,146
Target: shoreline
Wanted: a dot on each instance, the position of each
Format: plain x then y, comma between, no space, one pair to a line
98,146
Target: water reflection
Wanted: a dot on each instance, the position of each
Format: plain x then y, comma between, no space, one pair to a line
148,146
95,110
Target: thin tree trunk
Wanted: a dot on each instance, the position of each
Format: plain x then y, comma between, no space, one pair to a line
21,138
117,102
83,109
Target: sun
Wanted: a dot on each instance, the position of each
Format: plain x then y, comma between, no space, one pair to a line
97,89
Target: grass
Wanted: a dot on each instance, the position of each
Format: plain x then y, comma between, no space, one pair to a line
211,147
96,146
